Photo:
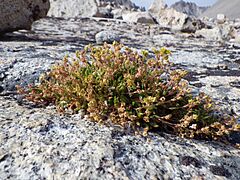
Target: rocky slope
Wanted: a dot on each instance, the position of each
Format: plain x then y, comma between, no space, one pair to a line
229,8
169,17
90,8
188,8
38,143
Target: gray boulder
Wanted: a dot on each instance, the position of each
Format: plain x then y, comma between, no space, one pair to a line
218,33
221,18
105,12
191,25
20,14
73,8
169,17
210,34
138,17
117,13
165,16
156,7
107,36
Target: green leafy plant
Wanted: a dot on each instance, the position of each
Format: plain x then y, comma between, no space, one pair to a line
113,82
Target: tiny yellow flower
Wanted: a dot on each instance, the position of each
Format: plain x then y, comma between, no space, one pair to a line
195,116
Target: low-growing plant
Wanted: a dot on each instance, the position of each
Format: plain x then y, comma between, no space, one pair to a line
130,88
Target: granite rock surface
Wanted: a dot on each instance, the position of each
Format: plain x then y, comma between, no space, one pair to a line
20,14
39,143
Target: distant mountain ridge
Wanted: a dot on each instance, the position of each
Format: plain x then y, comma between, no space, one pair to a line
231,8
188,8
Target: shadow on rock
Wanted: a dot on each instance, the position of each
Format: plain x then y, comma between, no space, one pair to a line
30,36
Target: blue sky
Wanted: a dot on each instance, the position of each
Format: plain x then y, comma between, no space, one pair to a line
147,3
